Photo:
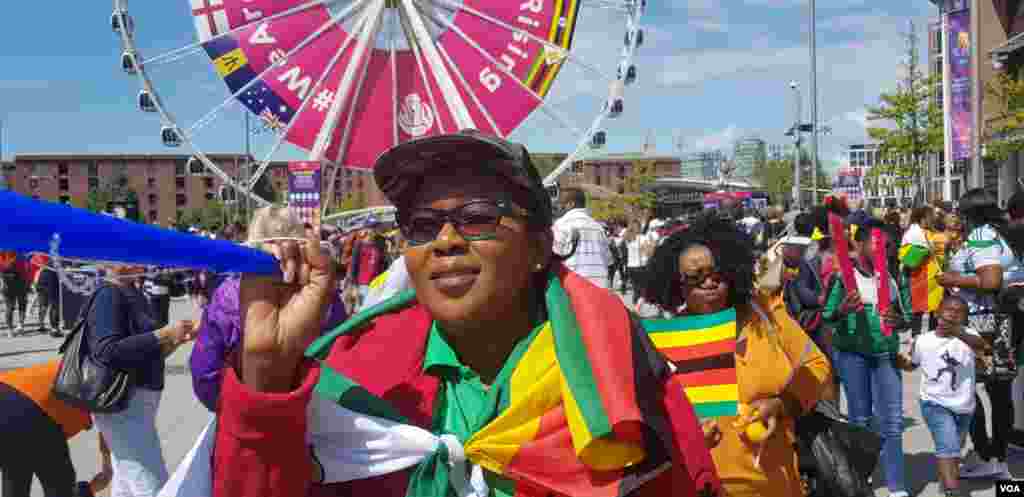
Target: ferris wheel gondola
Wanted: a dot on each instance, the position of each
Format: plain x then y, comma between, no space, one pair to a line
616,93
195,167
128,62
146,103
598,140
626,73
121,20
639,37
170,137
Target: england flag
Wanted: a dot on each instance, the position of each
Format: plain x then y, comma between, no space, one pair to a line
211,18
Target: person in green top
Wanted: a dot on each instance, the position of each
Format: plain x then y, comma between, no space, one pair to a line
864,356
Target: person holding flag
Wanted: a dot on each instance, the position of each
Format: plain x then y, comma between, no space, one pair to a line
920,262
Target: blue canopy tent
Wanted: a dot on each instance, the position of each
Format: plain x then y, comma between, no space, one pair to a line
30,225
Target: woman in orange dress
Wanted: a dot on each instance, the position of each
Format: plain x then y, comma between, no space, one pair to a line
781,373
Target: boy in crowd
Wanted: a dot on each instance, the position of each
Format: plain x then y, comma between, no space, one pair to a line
946,357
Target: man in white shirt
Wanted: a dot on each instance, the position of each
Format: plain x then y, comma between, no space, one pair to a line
592,256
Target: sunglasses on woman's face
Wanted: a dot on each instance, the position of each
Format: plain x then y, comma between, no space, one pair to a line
474,221
699,278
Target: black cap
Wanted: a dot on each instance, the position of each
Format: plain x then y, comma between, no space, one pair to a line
400,170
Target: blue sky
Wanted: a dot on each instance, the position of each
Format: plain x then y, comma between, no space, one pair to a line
710,71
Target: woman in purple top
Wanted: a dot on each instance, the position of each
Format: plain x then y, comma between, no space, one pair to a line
219,332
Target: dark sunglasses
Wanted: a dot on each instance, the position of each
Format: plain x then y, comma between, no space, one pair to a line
474,221
690,281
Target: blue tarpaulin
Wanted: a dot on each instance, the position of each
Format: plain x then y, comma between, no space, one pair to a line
28,225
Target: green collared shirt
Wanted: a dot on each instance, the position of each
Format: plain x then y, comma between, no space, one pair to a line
464,404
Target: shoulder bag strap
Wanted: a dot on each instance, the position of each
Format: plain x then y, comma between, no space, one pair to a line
81,322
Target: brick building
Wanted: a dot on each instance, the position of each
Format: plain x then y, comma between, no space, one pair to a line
610,171
996,44
166,185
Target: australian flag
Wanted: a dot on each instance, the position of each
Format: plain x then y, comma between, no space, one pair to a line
259,98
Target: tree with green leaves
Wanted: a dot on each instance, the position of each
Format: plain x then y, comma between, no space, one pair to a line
1004,127
634,201
546,163
351,202
113,191
776,177
912,129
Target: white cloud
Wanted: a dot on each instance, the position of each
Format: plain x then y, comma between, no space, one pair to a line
707,15
722,139
858,116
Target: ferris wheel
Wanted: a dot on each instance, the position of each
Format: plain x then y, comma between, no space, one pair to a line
340,81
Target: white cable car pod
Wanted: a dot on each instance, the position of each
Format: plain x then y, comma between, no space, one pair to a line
598,140
146,103
119,20
615,99
553,192
195,167
169,135
614,108
228,195
128,64
630,75
639,37
626,74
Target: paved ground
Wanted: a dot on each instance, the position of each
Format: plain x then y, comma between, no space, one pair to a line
181,417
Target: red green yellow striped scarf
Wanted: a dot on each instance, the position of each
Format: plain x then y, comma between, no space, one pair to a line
573,423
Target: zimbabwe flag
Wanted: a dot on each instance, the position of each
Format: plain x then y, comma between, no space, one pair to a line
580,413
702,349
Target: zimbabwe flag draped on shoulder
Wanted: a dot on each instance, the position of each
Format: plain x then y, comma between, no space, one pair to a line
580,413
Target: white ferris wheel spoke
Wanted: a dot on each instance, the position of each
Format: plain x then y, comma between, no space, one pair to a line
364,61
193,48
562,52
210,116
323,139
470,92
357,28
421,37
423,73
501,67
393,29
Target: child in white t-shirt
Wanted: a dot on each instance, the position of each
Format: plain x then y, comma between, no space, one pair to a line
946,358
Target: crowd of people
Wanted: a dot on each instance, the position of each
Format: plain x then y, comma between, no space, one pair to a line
955,278
511,326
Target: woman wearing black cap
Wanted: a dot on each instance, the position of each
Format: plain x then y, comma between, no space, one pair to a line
475,355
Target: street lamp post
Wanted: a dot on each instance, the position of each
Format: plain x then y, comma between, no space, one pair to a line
814,105
795,132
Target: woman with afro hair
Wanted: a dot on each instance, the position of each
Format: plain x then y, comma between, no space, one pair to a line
708,268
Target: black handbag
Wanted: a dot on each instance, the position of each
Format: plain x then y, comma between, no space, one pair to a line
836,458
83,381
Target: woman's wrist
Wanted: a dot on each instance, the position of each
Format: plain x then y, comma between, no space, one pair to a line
167,339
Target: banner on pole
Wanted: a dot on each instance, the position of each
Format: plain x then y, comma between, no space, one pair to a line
304,187
960,112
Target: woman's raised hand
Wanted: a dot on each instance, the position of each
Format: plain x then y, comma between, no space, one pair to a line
282,314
